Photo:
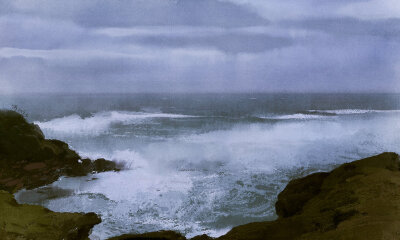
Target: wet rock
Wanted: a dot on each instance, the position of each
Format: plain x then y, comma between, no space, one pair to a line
84,166
28,160
202,237
34,166
161,235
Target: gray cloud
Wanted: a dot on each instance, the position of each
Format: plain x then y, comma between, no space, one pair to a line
385,28
231,43
197,46
36,33
125,13
156,12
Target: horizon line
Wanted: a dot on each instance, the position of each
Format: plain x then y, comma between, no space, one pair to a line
204,92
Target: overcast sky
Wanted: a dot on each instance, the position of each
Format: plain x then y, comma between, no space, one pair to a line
199,46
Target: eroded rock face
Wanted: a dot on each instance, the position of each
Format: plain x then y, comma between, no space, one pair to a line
21,221
28,160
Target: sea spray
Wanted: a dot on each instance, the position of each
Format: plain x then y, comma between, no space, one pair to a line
204,163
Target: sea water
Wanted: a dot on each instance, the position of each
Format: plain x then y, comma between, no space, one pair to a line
201,163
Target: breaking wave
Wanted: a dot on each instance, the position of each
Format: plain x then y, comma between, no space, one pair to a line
296,116
324,114
209,182
100,123
352,111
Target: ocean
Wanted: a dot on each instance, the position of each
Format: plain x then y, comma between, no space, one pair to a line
201,163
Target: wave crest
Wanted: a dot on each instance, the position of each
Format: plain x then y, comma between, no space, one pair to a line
352,111
324,114
296,116
100,122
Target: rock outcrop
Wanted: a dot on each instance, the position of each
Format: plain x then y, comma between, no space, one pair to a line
28,160
356,201
161,235
23,222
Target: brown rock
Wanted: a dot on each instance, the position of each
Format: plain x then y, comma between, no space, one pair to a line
34,166
13,182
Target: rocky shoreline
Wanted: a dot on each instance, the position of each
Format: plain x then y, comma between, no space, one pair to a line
358,200
28,160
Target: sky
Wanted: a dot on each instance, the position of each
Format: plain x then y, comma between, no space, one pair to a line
122,46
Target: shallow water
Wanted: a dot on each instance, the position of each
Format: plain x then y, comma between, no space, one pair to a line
202,163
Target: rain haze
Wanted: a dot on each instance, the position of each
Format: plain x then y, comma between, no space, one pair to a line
199,46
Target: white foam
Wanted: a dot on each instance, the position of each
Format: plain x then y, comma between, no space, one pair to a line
129,158
325,114
100,122
188,183
298,116
354,111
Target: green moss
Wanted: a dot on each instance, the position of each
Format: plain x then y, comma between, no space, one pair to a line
21,221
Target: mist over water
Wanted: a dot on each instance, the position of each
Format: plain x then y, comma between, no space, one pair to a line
202,163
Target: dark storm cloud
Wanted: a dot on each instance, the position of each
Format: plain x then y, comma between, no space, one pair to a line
199,45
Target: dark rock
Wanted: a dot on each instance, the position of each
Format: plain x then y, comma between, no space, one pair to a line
28,160
292,199
161,235
202,237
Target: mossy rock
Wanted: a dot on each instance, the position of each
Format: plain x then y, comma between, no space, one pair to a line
356,201
21,221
